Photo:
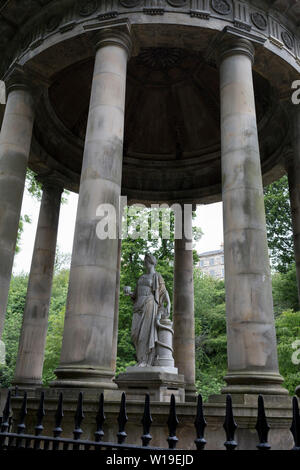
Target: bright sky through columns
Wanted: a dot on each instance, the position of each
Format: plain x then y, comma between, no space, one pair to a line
209,219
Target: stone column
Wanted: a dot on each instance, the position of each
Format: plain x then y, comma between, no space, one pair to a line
252,348
116,310
87,349
15,141
293,172
30,359
183,306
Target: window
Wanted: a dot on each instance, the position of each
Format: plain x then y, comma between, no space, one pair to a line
212,261
212,272
201,263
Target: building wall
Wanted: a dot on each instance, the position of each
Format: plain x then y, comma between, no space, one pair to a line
212,263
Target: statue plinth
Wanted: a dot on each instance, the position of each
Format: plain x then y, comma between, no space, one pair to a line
160,380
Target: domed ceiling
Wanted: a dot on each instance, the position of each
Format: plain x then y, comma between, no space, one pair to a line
172,128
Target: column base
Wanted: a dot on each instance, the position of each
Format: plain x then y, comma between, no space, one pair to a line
266,383
190,393
84,377
25,385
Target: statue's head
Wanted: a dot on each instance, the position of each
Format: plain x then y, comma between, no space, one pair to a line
150,260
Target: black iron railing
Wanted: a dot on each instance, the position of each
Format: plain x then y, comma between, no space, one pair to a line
37,441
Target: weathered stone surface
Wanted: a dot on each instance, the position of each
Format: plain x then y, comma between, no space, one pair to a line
183,311
15,143
88,347
293,171
279,414
29,366
252,349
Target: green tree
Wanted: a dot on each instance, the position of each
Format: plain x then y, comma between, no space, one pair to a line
285,291
210,332
279,225
288,331
12,327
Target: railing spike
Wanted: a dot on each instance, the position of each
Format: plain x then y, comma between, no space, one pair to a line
200,425
100,420
58,416
79,416
146,422
295,427
40,415
262,426
6,413
172,424
230,425
122,420
22,416
39,421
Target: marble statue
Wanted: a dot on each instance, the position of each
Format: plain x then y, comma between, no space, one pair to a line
151,304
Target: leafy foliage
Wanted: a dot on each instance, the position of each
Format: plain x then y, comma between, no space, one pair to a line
279,225
288,331
285,291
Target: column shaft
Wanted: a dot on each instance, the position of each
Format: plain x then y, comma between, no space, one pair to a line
86,357
15,141
116,314
252,348
293,170
30,359
183,307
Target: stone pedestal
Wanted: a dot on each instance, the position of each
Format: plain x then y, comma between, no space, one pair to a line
159,382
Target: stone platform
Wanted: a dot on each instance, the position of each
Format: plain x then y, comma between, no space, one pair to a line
278,412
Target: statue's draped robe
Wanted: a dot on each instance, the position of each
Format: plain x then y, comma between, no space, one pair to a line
144,330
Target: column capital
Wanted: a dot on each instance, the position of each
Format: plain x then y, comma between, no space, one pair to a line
118,34
16,79
20,78
230,46
51,182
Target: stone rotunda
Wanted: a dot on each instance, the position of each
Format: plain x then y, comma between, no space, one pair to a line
162,101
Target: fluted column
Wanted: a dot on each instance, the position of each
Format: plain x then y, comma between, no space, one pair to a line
15,141
293,171
252,348
183,306
30,359
86,357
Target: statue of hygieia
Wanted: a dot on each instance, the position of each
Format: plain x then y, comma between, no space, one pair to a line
151,304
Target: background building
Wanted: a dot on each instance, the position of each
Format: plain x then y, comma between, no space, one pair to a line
212,263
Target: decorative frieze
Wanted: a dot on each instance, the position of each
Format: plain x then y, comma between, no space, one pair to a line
130,3
87,8
275,36
241,15
288,40
223,7
177,3
200,9
259,21
69,14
